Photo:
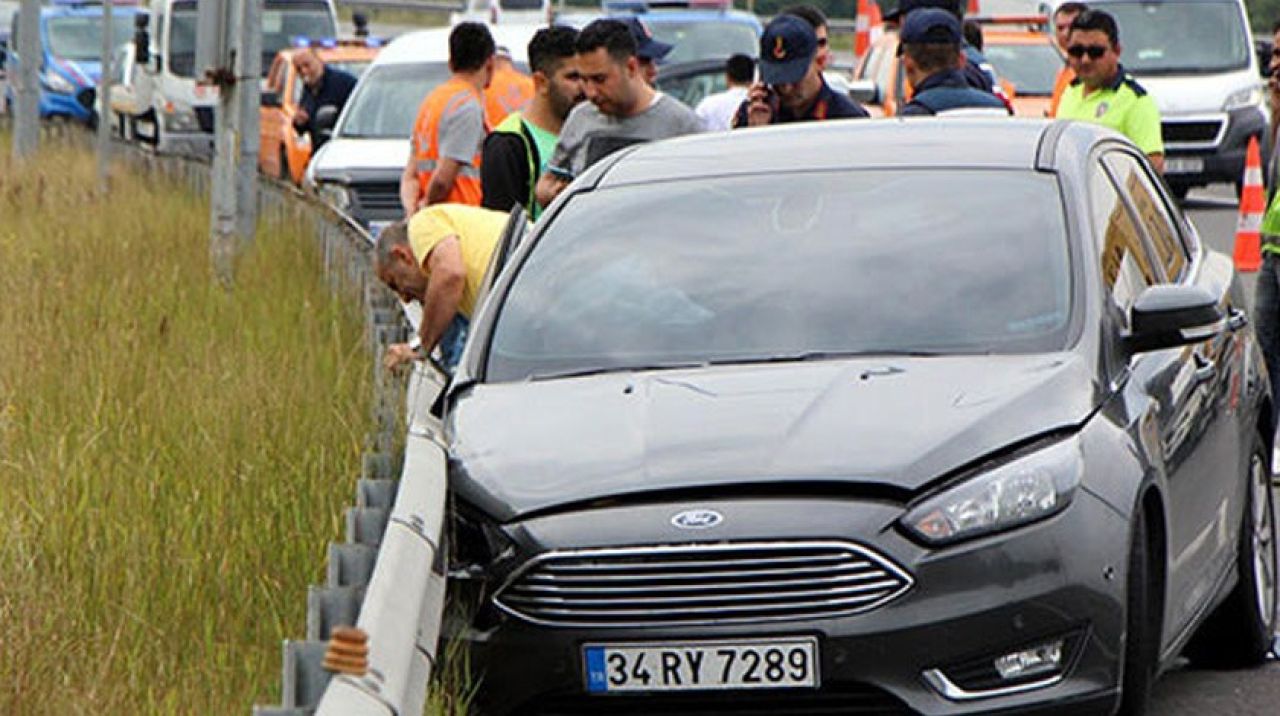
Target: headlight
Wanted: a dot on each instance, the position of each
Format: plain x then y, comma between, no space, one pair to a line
1250,96
55,82
180,119
336,196
1027,489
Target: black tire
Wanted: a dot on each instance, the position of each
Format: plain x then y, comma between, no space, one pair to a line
1239,632
1142,624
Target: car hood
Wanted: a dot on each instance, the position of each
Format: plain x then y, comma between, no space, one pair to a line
339,155
889,422
1195,94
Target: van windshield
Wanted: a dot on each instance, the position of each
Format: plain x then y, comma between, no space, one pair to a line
281,22
1181,37
79,38
385,102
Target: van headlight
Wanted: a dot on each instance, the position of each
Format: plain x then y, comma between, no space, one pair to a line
1250,96
178,118
335,195
55,82
1028,488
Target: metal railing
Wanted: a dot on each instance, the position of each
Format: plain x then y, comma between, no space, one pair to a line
388,576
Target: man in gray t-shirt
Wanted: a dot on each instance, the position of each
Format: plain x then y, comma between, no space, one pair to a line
623,110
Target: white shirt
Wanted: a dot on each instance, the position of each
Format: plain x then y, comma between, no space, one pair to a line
716,110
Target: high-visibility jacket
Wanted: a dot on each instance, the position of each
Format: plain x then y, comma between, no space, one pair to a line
509,91
443,101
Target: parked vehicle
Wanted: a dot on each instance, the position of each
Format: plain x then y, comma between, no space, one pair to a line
283,151
358,170
1023,55
71,59
504,12
176,111
696,30
860,458
1197,60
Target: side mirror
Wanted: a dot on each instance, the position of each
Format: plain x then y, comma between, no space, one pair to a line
864,91
1169,316
141,39
269,98
326,117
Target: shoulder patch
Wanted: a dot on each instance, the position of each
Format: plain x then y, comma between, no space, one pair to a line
1138,89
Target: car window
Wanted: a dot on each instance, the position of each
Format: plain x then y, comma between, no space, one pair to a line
1152,212
1126,269
829,262
1031,68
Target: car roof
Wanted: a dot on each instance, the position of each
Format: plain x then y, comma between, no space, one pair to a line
848,144
432,45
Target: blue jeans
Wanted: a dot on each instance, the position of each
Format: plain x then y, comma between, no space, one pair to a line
452,341
1266,320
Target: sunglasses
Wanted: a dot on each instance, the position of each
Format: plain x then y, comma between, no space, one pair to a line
1095,52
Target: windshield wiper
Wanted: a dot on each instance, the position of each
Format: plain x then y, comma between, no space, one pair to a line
802,356
600,370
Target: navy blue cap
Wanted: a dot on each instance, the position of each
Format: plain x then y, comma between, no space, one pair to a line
905,7
787,48
930,26
647,48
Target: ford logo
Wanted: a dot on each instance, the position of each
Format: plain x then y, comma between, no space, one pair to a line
697,519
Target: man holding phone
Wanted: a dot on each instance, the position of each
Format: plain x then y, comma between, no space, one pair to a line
792,88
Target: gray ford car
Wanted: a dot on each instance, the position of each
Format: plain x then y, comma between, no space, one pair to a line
932,416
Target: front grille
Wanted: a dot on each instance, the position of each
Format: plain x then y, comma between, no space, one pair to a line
376,196
831,699
204,117
703,584
1202,131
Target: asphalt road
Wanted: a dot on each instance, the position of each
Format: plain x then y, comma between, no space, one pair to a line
1192,692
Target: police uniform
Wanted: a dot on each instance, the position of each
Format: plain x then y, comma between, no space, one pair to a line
947,91
1122,105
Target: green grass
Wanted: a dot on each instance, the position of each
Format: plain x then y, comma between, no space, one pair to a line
173,458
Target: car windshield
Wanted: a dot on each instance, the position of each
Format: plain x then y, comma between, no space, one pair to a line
280,25
1181,37
1032,68
691,88
79,38
811,265
385,103
704,39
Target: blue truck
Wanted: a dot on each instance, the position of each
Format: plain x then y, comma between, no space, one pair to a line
71,54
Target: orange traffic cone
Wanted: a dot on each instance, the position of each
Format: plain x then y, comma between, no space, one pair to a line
1248,251
876,21
973,8
862,29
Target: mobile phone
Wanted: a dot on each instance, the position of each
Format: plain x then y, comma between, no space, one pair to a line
559,172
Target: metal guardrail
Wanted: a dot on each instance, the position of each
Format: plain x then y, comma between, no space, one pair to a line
388,577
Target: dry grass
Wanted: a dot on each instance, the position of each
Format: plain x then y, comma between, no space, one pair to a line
173,458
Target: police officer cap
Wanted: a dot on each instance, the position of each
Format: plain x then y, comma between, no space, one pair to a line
647,46
930,26
906,6
787,47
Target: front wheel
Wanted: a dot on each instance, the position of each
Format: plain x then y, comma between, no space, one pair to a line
1142,622
1239,633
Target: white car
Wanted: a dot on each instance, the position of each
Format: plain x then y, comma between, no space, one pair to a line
358,170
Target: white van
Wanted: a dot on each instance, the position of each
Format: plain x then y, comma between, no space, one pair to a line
358,170
175,113
1196,58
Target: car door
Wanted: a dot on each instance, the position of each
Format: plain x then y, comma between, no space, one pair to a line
269,121
1191,387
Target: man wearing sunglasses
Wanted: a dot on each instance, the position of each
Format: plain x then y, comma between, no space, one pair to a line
1103,93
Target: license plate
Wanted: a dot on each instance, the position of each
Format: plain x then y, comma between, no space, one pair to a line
702,665
1183,165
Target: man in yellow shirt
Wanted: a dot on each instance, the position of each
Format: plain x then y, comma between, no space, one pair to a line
1103,93
439,258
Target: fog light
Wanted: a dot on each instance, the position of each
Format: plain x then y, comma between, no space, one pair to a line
1039,659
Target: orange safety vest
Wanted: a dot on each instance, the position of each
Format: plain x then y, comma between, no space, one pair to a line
1060,85
509,91
443,100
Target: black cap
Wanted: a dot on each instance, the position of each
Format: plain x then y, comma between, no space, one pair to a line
787,48
647,48
930,26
